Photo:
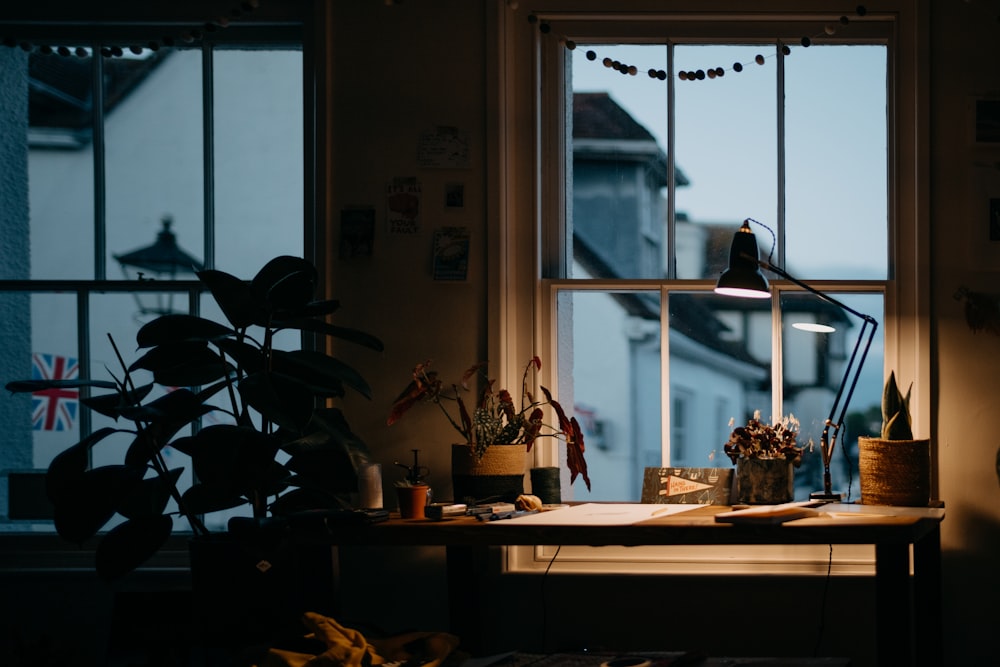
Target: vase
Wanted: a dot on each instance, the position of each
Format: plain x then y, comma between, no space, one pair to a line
894,472
764,481
497,476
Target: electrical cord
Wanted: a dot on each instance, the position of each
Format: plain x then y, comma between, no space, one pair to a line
545,606
822,608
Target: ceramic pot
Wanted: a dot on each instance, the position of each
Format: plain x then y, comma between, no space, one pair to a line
894,472
764,481
498,476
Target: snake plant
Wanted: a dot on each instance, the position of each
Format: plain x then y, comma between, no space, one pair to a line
896,411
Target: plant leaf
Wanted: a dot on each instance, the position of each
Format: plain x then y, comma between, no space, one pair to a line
285,283
130,544
206,498
343,333
111,405
183,364
320,373
235,298
150,497
279,399
174,328
70,464
31,386
93,500
174,409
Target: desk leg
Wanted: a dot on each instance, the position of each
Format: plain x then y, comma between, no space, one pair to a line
892,605
927,599
467,569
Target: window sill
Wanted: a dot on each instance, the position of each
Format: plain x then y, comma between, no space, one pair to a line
757,560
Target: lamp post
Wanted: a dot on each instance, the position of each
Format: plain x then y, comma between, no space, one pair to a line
164,259
744,279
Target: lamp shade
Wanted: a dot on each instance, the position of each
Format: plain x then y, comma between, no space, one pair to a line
743,278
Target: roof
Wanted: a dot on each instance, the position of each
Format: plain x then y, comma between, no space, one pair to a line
61,96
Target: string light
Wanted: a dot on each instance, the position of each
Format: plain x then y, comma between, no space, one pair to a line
699,74
115,51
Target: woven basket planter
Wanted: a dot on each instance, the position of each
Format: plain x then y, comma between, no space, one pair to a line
895,472
497,476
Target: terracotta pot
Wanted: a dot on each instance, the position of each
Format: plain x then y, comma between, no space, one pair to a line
764,481
895,472
413,500
496,477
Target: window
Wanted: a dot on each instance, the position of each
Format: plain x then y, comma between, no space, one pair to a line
817,142
664,166
194,142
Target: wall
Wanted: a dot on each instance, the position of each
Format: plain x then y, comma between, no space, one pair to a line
964,52
415,66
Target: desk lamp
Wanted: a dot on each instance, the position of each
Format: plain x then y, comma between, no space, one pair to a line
744,279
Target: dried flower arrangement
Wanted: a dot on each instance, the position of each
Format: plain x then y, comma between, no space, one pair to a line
758,440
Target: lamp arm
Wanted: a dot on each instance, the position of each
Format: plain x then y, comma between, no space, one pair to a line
833,424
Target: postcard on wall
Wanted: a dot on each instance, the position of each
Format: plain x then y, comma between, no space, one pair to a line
454,195
402,205
702,486
357,232
451,253
443,147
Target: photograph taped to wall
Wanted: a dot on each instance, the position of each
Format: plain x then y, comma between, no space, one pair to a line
702,486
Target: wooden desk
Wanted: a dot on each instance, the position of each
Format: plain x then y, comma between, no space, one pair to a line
909,621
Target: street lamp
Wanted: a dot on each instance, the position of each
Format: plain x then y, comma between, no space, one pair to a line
163,260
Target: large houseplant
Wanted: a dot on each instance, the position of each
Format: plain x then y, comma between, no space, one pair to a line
895,467
285,451
764,455
497,433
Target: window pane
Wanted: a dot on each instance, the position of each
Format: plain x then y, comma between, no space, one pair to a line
619,165
836,194
814,365
726,149
258,158
154,158
60,163
720,350
611,341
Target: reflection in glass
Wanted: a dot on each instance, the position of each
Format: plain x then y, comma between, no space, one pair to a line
813,365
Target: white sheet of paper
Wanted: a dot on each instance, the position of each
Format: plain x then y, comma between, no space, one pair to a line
600,514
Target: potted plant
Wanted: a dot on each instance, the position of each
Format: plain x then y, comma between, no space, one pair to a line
488,464
764,455
283,453
895,468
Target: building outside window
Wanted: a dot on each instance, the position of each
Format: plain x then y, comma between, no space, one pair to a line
196,145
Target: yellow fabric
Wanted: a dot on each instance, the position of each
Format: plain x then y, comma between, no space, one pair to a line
347,647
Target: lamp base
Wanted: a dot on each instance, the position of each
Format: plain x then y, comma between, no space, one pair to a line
820,496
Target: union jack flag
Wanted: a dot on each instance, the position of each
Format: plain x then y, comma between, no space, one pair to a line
54,409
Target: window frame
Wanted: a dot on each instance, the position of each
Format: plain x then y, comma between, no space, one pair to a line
283,25
522,302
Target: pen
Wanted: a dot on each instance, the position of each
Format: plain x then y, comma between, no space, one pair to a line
496,516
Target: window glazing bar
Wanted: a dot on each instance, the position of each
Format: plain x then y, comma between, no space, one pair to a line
100,200
208,150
